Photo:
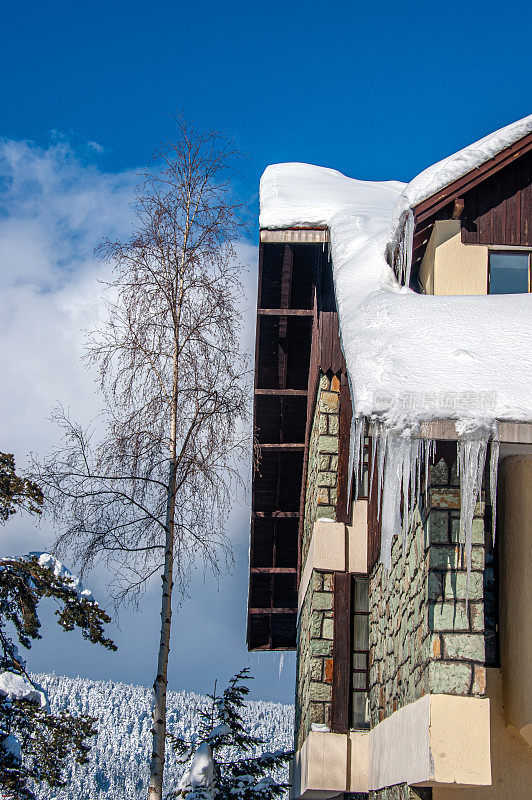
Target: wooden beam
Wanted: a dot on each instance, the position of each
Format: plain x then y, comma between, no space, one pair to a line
274,570
285,312
282,446
275,514
272,611
341,689
282,392
344,427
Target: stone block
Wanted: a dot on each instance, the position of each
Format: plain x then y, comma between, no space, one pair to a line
444,557
328,628
326,512
323,424
329,402
435,589
316,626
327,582
449,678
326,478
320,691
316,669
439,526
448,617
477,530
476,613
444,497
322,601
328,444
324,462
435,647
464,646
323,496
321,647
455,585
439,473
317,713
335,383
479,680
334,463
328,670
325,382
317,580
333,424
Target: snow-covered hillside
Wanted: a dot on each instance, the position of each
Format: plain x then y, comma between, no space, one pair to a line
119,757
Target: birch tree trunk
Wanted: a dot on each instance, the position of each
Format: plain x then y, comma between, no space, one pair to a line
173,377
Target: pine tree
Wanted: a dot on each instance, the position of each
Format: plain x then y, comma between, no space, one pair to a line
214,772
35,744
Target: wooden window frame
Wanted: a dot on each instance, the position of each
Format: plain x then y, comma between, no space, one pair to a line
506,250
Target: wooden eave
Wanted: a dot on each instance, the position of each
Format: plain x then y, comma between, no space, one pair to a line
426,212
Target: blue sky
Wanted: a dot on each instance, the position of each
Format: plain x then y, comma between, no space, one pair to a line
378,91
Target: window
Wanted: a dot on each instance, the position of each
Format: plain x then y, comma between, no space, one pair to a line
509,272
360,663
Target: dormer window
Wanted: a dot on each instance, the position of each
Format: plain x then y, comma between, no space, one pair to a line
509,272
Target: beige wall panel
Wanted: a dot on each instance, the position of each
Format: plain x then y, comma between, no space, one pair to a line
358,538
450,267
511,761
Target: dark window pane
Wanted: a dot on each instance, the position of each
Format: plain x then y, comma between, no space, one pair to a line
509,273
361,594
360,710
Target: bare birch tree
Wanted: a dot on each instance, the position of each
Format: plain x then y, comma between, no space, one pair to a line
154,492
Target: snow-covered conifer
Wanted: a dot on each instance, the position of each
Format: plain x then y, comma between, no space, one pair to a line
222,761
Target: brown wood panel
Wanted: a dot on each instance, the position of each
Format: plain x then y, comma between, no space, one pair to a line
374,523
498,210
343,506
341,688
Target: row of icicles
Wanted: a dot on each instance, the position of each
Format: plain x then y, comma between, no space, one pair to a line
402,462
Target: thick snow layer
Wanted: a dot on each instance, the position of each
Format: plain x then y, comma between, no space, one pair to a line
410,357
18,687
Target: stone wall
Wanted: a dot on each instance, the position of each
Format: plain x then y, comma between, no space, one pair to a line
314,656
424,635
456,613
399,631
321,496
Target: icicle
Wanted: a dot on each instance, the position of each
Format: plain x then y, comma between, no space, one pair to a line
494,467
356,453
381,459
374,427
404,250
471,460
281,664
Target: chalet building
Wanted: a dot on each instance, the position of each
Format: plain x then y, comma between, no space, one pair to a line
414,651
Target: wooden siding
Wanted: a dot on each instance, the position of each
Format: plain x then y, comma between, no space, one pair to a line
499,210
341,689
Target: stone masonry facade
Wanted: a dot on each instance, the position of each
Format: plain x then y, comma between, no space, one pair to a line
322,472
314,659
425,636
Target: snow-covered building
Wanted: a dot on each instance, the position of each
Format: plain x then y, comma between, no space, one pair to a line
391,540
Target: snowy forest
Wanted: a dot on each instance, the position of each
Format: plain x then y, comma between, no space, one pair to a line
117,765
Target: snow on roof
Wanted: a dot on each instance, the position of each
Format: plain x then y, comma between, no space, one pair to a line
410,357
